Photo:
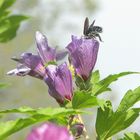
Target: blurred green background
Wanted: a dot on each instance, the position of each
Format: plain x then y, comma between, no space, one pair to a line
58,20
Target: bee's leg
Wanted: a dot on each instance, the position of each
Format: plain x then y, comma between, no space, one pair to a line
99,37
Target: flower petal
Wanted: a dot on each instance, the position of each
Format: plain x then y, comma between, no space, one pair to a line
59,81
49,131
33,62
49,80
83,54
21,70
45,52
63,81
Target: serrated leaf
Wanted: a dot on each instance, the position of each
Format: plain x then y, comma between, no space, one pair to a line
102,119
109,123
121,121
82,99
130,98
131,136
38,115
102,85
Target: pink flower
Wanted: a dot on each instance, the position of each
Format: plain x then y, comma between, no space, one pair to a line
49,131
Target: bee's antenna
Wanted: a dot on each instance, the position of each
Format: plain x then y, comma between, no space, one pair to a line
86,25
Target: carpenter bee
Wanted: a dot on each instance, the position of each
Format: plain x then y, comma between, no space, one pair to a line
92,31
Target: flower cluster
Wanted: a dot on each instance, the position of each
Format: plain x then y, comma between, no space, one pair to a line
59,78
82,55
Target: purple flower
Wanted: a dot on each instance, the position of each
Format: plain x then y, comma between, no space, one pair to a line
83,54
23,70
45,52
59,81
49,131
29,64
34,65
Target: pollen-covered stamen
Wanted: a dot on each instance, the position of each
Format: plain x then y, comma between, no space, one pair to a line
72,70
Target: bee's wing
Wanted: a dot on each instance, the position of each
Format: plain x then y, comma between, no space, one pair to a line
92,24
86,26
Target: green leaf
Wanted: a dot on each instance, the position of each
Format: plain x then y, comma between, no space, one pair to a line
130,98
82,99
81,84
10,22
95,77
8,34
50,63
10,127
131,136
109,123
119,121
41,111
6,4
36,115
9,26
102,119
102,85
24,109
